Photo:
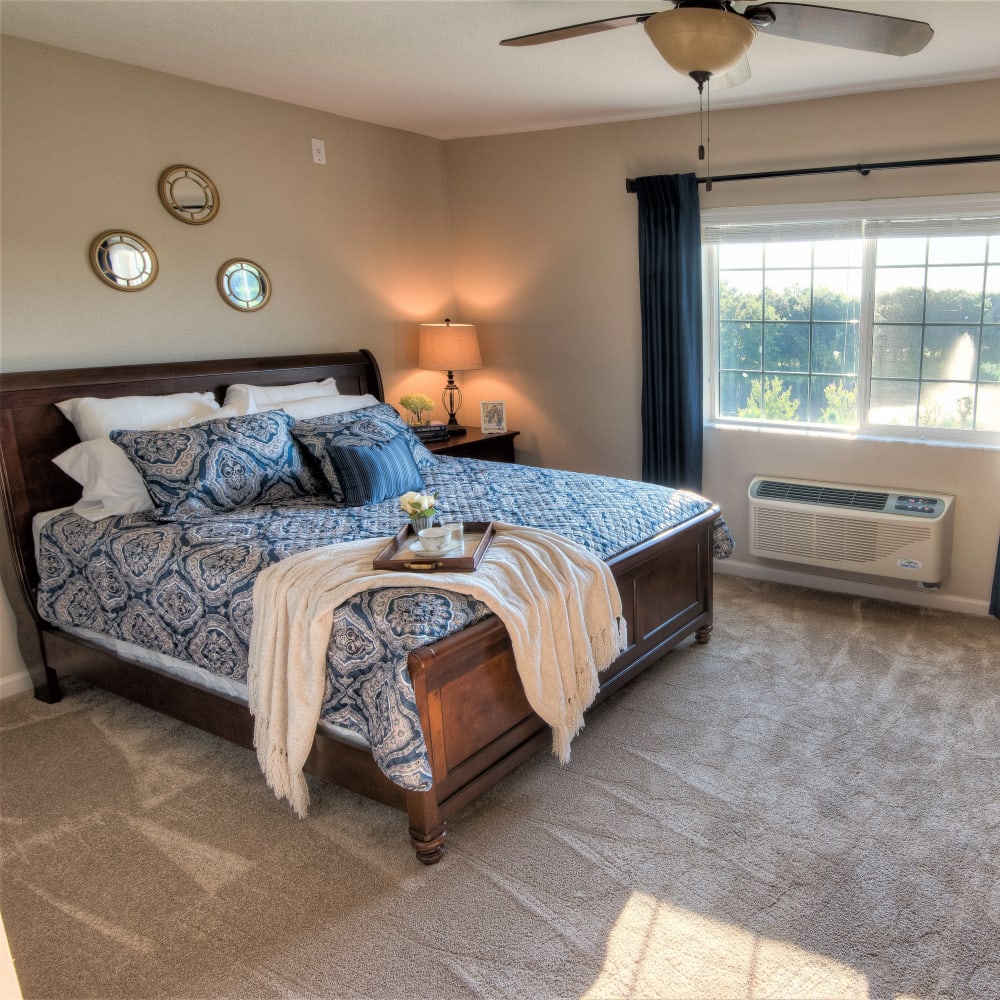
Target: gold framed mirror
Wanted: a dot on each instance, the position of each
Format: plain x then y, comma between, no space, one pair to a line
123,260
188,194
244,285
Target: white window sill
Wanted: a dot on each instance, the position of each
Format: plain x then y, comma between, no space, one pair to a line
847,436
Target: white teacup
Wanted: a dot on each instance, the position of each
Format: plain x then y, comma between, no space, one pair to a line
435,539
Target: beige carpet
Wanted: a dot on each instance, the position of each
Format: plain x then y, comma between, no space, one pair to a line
807,807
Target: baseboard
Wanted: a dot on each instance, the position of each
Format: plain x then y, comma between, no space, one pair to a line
920,598
15,684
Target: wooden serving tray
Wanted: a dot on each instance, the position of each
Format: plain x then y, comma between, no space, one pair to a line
398,554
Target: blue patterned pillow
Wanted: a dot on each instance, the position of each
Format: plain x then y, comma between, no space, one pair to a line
219,466
356,428
375,472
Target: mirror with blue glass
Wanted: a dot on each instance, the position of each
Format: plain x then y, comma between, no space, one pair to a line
244,285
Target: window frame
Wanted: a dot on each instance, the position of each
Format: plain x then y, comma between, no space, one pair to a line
923,217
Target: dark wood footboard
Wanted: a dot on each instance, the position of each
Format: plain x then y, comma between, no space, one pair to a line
478,724
476,720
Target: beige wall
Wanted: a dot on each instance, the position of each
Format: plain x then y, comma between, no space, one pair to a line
545,256
531,236
358,251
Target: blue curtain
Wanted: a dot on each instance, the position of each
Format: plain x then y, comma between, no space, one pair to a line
670,292
995,599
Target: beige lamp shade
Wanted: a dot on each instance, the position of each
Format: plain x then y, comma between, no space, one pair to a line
697,39
448,347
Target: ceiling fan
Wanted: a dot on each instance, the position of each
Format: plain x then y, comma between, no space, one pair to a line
709,39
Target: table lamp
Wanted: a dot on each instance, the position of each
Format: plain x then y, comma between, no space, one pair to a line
449,347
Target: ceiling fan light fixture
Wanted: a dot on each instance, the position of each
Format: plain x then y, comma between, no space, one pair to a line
699,39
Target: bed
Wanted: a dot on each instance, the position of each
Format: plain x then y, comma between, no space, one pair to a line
475,720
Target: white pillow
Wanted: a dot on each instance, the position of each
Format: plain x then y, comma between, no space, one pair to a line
95,418
111,483
320,406
223,413
251,398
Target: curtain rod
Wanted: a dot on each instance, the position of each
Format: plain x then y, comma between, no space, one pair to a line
861,168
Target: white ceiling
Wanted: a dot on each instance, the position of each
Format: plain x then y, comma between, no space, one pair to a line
436,67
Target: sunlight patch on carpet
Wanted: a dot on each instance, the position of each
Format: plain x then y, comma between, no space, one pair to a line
656,949
116,932
209,866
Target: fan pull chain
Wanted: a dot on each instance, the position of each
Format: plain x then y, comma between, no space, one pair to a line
701,77
708,137
701,122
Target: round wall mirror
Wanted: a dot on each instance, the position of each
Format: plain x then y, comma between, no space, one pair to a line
123,260
244,285
188,194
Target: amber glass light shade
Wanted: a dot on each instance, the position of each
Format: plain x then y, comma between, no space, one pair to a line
699,40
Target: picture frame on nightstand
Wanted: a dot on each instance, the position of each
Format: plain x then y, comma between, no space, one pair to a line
493,413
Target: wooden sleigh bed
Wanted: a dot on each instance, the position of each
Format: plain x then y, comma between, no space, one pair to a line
476,721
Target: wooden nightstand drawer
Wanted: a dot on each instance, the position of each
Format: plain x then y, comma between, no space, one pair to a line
475,444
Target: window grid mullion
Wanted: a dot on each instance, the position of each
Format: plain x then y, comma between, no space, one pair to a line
809,351
866,332
982,335
923,334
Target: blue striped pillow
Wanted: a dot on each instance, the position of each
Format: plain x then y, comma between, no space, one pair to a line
377,471
358,428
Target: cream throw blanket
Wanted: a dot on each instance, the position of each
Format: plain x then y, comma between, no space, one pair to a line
559,603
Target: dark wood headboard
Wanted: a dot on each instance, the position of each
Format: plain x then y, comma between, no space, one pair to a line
33,431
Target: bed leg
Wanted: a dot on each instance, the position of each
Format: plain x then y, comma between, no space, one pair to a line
429,846
44,680
46,685
703,634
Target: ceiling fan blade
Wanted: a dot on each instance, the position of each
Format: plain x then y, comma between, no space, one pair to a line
850,29
733,77
576,30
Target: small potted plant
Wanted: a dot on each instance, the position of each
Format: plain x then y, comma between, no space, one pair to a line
418,404
419,507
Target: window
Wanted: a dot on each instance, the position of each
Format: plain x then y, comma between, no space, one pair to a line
875,318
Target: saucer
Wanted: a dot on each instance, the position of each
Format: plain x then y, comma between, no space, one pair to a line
417,548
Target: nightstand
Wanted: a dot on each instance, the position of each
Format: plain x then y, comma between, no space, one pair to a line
475,444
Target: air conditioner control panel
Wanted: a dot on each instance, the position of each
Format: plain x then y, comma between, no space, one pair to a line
916,506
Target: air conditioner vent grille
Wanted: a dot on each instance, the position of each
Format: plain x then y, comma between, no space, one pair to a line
832,539
816,493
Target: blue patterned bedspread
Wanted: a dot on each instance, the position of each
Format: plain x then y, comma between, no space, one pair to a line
185,588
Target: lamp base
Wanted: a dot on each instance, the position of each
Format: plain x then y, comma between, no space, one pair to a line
452,399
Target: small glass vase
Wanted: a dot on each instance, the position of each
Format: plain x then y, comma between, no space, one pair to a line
421,522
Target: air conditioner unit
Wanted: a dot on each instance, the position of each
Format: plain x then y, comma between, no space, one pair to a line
863,529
